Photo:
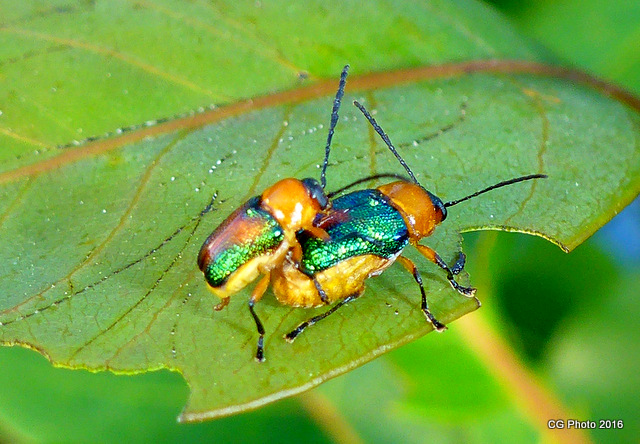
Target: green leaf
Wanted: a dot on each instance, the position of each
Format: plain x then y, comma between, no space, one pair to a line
98,241
47,403
608,34
435,387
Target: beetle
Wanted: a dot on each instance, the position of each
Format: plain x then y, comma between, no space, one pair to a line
258,236
368,231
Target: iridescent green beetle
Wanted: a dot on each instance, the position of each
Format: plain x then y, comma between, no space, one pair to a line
315,251
258,236
368,230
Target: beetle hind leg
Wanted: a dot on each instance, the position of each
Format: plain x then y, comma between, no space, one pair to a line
292,335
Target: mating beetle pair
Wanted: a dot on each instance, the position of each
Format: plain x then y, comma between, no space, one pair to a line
316,250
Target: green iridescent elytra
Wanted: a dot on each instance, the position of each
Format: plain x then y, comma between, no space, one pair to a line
247,233
364,223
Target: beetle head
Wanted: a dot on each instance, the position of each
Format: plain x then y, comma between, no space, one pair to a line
295,203
421,210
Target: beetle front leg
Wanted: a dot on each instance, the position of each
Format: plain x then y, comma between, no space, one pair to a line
457,268
459,265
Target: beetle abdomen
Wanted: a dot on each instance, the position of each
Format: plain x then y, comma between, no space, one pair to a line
294,288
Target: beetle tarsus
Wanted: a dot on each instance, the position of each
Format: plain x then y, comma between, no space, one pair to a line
466,291
260,350
223,303
451,272
455,270
259,326
292,335
437,325
459,265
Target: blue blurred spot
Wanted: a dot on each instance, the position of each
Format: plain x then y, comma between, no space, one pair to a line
621,236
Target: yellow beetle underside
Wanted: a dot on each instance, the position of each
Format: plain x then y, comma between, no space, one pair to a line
292,287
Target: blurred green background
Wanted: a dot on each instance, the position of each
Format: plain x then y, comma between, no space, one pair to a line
568,325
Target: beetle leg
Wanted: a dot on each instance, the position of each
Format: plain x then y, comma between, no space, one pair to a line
436,259
459,265
296,253
256,295
321,292
223,303
411,267
291,336
318,232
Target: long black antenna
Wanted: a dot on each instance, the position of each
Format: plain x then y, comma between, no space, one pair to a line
384,136
334,122
493,187
413,177
367,179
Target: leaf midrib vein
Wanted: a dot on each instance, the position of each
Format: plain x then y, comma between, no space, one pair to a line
320,89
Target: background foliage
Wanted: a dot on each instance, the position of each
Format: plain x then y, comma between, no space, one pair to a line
577,337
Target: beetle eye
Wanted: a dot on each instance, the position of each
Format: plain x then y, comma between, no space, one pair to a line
438,205
316,192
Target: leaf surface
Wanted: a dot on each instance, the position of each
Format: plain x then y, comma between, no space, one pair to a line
98,241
